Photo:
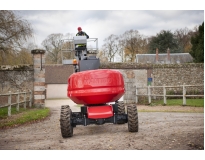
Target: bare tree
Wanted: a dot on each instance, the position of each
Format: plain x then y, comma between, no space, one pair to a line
25,56
67,47
144,45
52,45
121,46
184,39
110,48
102,56
14,31
68,52
135,43
30,46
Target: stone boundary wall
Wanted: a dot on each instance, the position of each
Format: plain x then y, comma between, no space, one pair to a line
21,77
188,74
15,78
18,77
142,75
148,65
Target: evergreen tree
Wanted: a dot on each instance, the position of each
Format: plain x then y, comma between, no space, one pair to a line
197,50
163,41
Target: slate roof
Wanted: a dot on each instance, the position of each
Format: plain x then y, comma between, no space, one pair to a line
58,74
162,58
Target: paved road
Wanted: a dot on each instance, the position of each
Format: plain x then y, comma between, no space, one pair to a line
157,131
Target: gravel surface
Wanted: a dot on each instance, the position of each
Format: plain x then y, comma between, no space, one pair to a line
157,131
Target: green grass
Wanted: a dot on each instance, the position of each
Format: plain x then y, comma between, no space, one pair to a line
4,111
24,116
175,102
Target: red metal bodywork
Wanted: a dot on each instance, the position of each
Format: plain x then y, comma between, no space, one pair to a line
95,86
96,112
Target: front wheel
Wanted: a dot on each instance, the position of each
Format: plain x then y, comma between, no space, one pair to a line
132,118
65,122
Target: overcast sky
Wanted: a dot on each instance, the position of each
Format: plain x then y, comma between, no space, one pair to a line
102,23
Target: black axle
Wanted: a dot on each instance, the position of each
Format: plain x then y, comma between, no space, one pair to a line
79,119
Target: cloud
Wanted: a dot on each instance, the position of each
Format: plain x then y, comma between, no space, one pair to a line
102,23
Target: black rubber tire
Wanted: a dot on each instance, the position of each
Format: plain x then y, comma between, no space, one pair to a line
65,122
121,110
132,118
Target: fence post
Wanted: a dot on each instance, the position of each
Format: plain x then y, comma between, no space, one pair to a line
136,92
184,95
24,99
30,98
164,92
149,94
17,101
9,102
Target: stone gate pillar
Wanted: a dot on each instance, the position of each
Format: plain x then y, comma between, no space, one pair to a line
39,77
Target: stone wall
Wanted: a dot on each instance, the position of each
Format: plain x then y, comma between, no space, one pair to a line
15,78
142,75
18,77
21,77
172,75
133,78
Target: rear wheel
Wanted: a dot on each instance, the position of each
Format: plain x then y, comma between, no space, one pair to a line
132,118
121,110
65,122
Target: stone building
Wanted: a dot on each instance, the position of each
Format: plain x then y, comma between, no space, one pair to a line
164,58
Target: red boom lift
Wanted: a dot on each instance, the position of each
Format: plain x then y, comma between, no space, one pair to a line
95,89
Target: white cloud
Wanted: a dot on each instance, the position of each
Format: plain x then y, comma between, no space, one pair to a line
102,23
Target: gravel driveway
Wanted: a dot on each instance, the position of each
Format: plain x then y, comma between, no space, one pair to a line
157,131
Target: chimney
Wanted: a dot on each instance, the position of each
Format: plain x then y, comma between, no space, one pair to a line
157,57
168,54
